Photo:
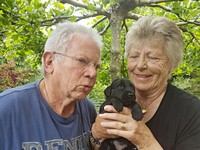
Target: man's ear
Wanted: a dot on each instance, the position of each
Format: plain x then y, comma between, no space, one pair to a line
107,91
48,58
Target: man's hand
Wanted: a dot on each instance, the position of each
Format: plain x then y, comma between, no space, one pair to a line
100,132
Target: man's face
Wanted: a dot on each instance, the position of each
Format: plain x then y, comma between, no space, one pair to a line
75,76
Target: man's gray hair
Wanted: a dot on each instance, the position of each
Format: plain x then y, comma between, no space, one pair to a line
60,38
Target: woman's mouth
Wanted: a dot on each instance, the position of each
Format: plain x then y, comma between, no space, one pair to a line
142,77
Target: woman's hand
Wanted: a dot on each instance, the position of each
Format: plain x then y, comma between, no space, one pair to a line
114,124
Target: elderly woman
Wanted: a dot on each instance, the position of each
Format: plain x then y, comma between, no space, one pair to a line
171,116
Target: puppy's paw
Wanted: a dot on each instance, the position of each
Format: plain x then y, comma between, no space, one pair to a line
137,112
118,106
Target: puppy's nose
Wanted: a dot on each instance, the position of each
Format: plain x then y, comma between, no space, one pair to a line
130,94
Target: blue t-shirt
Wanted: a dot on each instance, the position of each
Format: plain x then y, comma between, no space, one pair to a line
27,122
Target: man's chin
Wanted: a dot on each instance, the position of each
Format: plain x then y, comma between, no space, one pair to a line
82,96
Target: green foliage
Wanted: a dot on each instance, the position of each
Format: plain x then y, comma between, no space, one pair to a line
97,94
21,38
25,25
191,86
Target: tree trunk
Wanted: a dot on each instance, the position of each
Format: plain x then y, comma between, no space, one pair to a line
116,20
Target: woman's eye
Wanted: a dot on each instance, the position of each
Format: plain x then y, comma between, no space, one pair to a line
134,56
153,58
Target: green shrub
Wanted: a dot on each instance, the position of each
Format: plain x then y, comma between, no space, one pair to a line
12,76
189,85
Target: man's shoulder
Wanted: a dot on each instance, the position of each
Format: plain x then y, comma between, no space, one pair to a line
18,89
13,96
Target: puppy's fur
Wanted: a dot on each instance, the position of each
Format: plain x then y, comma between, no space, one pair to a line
120,94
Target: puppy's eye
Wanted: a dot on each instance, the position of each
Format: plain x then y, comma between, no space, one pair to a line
131,85
120,86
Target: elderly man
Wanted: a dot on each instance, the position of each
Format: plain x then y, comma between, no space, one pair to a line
54,113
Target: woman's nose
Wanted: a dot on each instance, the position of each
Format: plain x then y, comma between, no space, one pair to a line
142,62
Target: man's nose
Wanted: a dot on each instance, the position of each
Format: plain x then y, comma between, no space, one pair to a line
91,71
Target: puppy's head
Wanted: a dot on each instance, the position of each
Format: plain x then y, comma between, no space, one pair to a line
121,89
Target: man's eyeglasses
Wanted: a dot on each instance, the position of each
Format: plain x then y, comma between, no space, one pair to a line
81,62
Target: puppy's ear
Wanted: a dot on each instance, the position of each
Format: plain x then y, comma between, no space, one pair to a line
107,91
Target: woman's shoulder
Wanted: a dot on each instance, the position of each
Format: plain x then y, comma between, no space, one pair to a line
180,94
181,100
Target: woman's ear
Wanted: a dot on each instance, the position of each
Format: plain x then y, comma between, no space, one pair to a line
171,69
48,58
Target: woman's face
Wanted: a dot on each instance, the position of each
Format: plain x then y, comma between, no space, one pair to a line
148,66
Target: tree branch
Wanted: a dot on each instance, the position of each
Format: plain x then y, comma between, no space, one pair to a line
180,23
197,23
192,34
87,16
99,21
188,43
105,29
143,2
132,16
76,4
125,25
55,19
71,2
58,19
159,6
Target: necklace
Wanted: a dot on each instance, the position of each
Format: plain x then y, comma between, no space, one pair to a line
144,108
158,98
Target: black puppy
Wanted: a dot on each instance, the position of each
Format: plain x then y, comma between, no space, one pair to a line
120,94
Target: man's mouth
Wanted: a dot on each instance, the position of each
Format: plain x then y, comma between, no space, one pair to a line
87,88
